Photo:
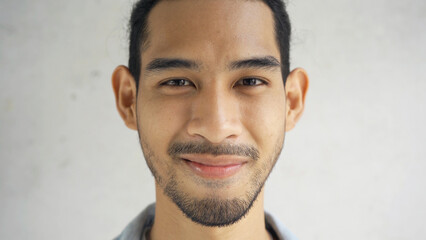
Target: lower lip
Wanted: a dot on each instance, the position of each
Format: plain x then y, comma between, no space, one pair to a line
207,171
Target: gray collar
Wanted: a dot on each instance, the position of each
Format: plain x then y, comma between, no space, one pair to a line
137,229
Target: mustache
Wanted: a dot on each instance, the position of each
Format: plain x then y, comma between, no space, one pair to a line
244,150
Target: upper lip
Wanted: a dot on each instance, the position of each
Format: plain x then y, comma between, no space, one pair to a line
216,161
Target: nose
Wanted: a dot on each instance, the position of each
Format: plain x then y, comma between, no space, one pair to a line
215,116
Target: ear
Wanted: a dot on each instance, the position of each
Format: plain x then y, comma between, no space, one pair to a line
124,87
295,88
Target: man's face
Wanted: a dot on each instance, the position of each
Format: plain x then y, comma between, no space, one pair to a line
211,105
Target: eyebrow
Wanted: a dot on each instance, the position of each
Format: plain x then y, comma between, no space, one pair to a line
267,62
160,64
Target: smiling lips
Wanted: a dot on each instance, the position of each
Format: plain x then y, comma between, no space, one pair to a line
219,167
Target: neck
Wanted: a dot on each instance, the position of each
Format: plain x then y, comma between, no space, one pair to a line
171,223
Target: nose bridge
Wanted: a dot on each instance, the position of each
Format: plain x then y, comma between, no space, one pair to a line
219,108
215,115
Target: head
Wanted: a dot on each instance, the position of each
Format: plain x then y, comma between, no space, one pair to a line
209,91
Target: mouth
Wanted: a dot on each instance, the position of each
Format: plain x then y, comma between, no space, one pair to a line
219,167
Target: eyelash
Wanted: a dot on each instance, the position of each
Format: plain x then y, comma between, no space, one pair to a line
184,82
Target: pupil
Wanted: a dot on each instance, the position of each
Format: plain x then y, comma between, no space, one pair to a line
249,81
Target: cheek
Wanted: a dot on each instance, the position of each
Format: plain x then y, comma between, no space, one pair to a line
264,119
160,121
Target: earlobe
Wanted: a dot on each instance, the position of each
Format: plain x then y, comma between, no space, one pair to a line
296,87
124,88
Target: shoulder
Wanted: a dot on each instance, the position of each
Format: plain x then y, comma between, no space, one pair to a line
139,225
277,228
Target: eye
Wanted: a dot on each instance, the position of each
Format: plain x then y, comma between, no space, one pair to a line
251,81
177,83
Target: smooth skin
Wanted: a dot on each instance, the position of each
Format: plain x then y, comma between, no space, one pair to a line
211,102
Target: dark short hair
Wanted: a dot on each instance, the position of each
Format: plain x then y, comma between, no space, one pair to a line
139,34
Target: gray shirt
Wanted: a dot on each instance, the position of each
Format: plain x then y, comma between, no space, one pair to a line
138,228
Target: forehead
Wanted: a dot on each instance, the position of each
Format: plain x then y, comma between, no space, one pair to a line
210,30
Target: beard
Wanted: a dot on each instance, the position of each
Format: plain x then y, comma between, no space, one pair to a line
211,211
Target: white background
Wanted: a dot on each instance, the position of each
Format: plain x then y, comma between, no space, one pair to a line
353,168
